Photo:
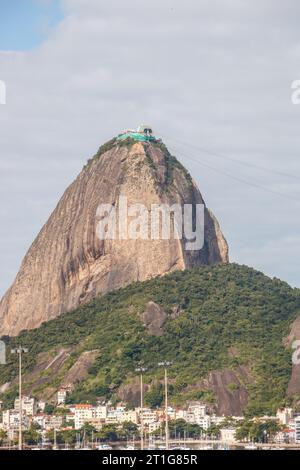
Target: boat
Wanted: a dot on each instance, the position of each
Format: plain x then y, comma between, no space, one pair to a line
250,447
104,447
223,447
129,447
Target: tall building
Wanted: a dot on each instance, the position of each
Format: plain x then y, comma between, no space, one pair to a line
83,414
297,429
100,412
11,419
61,396
196,414
29,405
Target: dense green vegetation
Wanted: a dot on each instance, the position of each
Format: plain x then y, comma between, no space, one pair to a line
179,428
110,144
223,308
257,431
108,433
171,162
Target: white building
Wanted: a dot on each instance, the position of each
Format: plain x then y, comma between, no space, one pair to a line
129,416
41,405
205,422
196,414
40,419
187,415
217,420
297,429
153,426
149,416
284,415
70,418
100,412
10,420
228,435
61,396
29,405
120,415
82,414
199,410
53,422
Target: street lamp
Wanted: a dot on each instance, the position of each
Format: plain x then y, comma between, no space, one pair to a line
20,350
165,365
141,370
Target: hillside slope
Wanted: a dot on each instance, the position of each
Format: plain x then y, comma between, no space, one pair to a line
68,265
223,327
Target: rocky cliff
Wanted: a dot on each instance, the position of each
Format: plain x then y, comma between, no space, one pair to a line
221,327
68,265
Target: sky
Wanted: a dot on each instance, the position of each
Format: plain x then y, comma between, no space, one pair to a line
213,78
26,23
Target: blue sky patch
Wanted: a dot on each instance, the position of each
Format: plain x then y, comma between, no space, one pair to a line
25,24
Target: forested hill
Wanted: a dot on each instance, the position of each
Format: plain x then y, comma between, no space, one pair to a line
221,326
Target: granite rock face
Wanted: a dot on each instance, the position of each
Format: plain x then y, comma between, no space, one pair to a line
294,383
68,265
154,318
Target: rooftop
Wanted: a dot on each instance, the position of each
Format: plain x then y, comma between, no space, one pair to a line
144,133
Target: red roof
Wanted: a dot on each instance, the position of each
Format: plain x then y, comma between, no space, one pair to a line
83,406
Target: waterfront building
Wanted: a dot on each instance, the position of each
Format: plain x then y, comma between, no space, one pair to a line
228,435
297,429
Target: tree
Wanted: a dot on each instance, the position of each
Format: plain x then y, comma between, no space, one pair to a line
155,396
68,437
49,409
243,430
222,308
179,427
59,411
213,431
129,430
32,436
109,432
257,431
88,429
59,437
3,436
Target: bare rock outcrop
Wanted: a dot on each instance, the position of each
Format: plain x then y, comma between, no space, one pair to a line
229,388
79,371
294,383
154,318
131,392
68,265
230,391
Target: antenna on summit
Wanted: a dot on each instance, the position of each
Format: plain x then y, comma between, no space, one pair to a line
144,133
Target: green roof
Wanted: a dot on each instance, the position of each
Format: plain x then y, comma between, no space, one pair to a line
136,136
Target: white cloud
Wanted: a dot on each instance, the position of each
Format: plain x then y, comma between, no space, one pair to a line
214,73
